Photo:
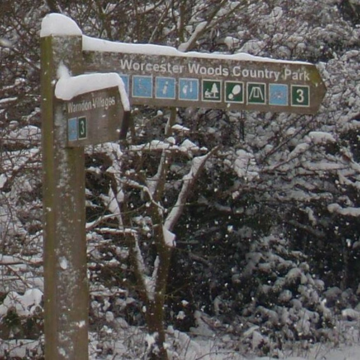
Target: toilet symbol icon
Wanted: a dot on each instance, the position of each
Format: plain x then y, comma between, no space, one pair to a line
189,89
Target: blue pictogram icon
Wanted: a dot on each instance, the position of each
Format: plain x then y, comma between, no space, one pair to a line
189,89
142,86
73,129
165,88
126,80
279,94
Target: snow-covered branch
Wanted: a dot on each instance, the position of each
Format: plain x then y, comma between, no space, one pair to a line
347,211
188,183
218,14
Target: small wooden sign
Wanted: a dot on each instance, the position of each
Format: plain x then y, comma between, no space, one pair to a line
94,117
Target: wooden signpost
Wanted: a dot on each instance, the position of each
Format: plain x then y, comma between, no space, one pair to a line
152,75
66,294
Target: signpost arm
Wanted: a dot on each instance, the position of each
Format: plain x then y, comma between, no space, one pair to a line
65,272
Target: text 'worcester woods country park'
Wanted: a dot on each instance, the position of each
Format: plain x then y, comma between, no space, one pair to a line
200,81
220,70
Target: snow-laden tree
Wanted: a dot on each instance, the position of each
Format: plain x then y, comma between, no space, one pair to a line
296,174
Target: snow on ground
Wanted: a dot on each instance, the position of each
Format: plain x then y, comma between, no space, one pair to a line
205,341
204,344
206,350
341,353
318,352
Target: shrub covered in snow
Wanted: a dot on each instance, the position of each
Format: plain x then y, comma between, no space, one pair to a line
279,299
21,317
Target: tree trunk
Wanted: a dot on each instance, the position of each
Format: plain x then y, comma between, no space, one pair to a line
155,302
155,324
154,299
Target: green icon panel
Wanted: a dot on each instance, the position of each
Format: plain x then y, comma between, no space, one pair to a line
300,95
82,123
234,92
211,90
256,93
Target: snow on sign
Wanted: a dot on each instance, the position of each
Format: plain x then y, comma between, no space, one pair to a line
163,76
93,105
167,77
94,117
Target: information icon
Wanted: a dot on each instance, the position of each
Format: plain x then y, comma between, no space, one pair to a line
165,88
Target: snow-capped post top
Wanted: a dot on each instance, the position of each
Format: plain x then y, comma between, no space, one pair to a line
59,25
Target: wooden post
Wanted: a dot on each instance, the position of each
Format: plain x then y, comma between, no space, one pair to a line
65,268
